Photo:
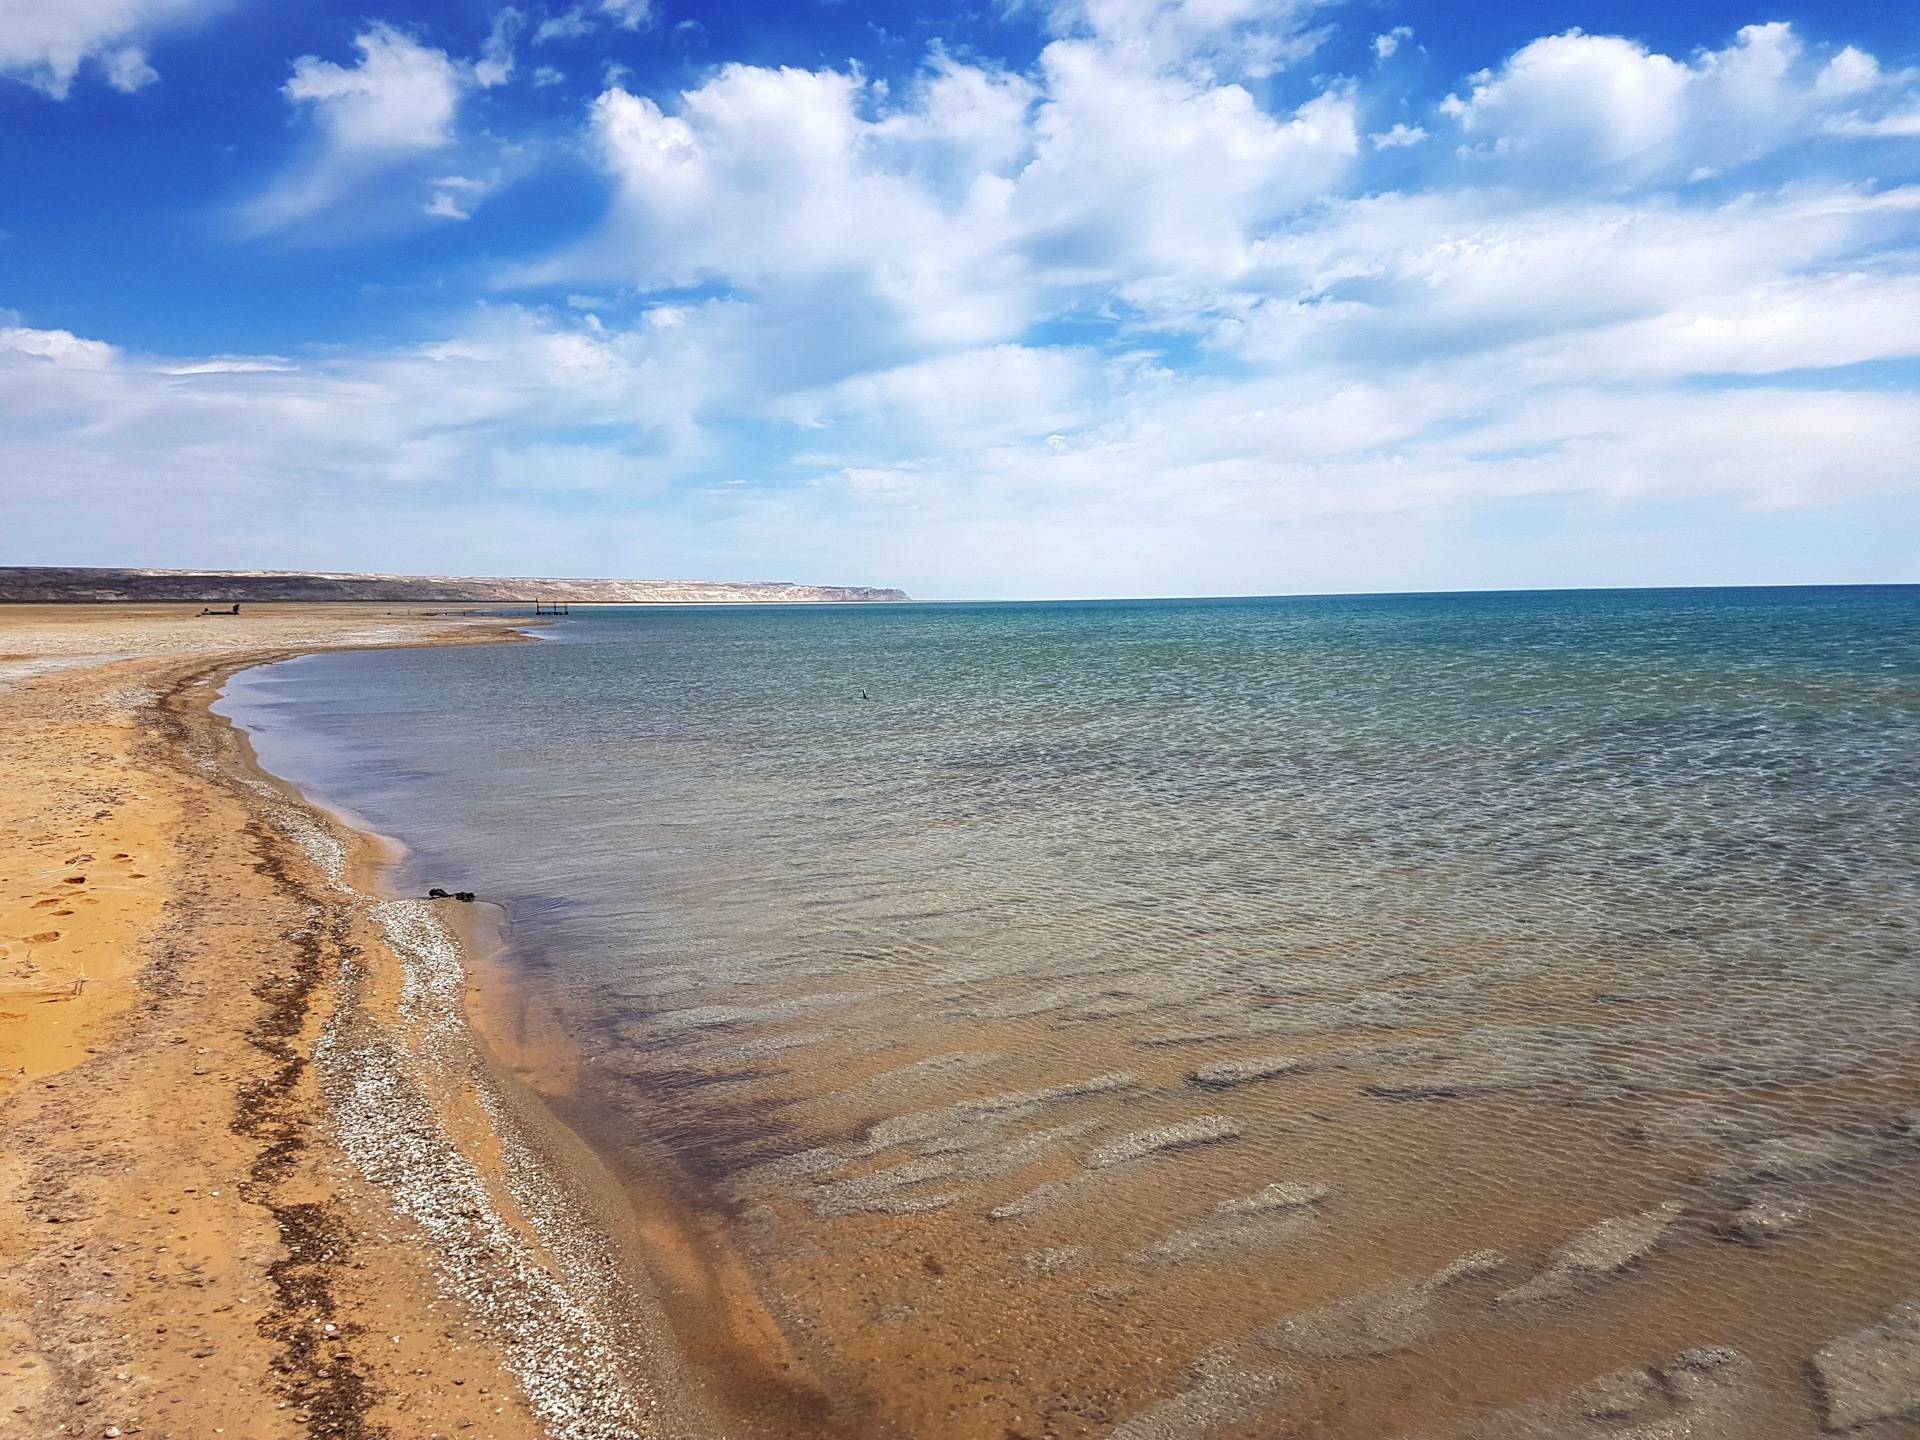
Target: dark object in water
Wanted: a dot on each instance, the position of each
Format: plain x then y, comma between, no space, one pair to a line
436,893
466,895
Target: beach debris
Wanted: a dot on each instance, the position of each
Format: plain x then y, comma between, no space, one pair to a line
1871,1374
1203,1130
436,893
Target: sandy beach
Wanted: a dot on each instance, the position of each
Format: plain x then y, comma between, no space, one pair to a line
254,1181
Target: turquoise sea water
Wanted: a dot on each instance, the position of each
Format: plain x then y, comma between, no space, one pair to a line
1542,910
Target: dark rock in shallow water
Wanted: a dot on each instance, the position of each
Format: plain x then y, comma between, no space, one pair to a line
436,893
1872,1374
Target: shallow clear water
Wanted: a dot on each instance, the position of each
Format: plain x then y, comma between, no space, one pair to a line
1499,916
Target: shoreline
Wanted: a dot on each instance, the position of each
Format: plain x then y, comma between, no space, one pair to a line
378,1177
726,1344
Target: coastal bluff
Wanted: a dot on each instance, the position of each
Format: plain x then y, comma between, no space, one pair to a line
48,584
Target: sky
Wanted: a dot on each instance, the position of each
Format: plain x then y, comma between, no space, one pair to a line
1032,298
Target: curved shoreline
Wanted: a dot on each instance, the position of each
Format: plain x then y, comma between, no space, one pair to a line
394,1067
608,1299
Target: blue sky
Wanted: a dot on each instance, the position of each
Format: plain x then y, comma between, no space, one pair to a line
1095,297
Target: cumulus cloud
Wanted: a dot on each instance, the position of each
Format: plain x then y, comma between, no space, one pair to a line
47,42
1605,107
951,215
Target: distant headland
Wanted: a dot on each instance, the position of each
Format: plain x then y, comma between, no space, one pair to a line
45,584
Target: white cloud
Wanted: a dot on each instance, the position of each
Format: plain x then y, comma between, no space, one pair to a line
45,43
970,398
947,217
1401,137
496,63
1850,72
628,14
59,348
1899,125
1203,37
578,21
127,69
383,140
1387,45
1603,106
400,97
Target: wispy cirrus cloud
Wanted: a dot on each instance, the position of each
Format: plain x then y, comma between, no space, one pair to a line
382,144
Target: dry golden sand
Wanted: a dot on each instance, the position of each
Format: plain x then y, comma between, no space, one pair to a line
184,1250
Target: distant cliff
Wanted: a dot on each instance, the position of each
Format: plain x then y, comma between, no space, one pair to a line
46,583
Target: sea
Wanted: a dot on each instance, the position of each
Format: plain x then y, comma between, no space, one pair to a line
1488,1014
